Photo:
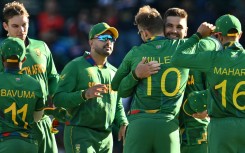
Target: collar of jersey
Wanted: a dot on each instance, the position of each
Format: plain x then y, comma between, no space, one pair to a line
12,71
90,60
233,45
155,38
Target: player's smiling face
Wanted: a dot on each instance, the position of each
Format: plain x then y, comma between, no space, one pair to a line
17,26
175,27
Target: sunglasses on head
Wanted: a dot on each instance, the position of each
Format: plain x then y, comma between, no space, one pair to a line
105,38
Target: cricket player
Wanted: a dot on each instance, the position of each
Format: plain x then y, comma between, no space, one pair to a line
22,101
225,76
193,130
85,91
157,88
39,65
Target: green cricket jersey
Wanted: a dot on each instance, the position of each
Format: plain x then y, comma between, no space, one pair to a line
194,131
95,113
161,93
21,95
40,65
225,76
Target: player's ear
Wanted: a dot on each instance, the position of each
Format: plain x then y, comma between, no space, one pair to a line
240,35
5,26
90,42
185,35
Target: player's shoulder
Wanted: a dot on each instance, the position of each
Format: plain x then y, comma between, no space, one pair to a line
210,44
76,62
38,45
30,79
36,41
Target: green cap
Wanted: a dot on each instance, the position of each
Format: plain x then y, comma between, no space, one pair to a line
196,102
227,22
100,28
13,46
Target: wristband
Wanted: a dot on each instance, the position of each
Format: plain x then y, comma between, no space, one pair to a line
199,35
83,95
135,76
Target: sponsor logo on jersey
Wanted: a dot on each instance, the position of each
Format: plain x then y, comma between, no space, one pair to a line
234,54
38,52
34,69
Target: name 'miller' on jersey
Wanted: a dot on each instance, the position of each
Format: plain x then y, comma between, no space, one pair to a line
17,93
160,60
229,71
34,69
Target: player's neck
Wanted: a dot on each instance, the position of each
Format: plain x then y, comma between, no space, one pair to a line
99,59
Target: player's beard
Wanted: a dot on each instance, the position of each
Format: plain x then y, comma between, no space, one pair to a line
104,51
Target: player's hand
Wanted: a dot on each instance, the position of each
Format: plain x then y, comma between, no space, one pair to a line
144,70
96,91
121,133
206,29
201,115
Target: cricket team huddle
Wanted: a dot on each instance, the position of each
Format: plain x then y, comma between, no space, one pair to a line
187,95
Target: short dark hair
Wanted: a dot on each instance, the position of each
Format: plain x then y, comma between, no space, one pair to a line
174,11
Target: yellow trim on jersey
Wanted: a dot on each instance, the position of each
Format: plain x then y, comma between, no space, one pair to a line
152,111
12,61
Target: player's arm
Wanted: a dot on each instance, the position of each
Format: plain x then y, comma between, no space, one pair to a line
66,96
40,104
120,119
188,56
208,44
120,116
123,70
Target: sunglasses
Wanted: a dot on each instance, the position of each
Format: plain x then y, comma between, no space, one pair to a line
105,38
